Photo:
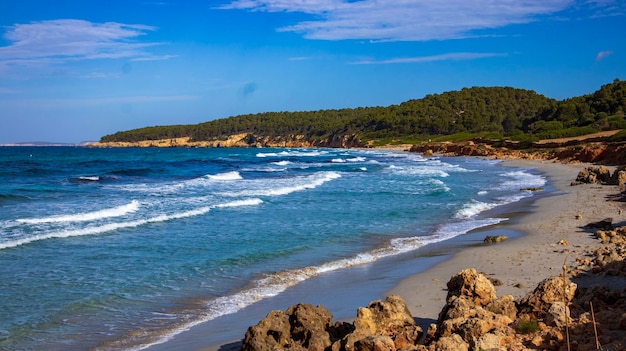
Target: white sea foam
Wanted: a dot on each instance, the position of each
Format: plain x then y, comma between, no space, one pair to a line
275,283
234,175
294,153
118,211
422,171
338,160
473,208
281,163
522,179
100,229
291,185
89,178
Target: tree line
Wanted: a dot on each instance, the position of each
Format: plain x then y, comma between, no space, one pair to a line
494,112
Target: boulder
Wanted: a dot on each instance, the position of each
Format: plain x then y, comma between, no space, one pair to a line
375,343
473,285
453,342
558,315
301,327
548,292
271,333
388,318
504,305
594,175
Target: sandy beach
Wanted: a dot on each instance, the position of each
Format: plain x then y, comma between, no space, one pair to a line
552,235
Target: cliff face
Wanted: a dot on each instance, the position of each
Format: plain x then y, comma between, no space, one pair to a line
610,154
244,140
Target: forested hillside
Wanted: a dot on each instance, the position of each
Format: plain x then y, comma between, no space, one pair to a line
494,112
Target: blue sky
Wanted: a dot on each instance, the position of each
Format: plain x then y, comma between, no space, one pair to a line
75,70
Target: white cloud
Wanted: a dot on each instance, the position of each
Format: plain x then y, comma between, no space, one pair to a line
63,40
456,56
603,54
407,20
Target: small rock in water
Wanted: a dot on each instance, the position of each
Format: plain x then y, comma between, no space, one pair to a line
491,239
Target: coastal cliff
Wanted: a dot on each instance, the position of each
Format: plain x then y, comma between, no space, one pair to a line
590,150
242,140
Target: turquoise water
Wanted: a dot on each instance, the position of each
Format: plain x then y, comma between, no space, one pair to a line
124,248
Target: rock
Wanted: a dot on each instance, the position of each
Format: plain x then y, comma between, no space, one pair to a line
619,176
388,318
301,327
451,343
472,285
489,342
505,305
375,343
593,175
309,326
384,317
491,239
531,189
558,315
271,333
563,242
549,291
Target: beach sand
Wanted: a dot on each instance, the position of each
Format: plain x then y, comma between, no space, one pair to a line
525,259
528,259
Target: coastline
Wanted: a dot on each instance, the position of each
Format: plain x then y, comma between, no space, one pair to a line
552,236
531,254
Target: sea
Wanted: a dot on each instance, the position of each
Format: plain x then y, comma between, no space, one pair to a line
128,248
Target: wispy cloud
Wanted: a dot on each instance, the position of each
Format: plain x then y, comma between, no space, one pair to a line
58,41
603,54
455,56
407,20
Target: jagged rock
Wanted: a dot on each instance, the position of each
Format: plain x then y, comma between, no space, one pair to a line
473,285
375,343
619,176
504,305
489,342
309,326
271,333
558,315
549,291
491,239
301,327
593,175
390,317
453,342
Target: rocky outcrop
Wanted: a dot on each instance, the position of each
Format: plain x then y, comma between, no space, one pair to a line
244,140
589,152
601,175
556,315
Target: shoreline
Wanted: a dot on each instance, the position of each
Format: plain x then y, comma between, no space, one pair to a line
552,236
531,254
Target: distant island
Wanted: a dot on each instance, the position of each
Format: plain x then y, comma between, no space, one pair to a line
46,143
501,116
